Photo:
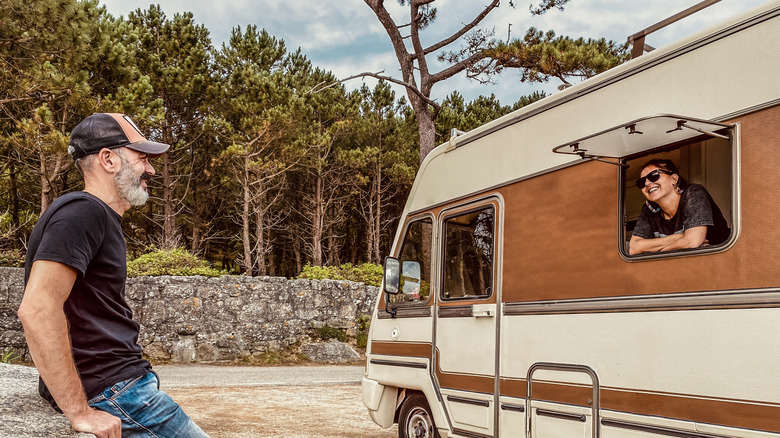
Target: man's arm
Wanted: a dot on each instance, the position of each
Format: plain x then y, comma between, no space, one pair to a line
46,330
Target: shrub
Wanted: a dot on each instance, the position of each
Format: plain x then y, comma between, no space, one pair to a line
367,273
363,324
361,340
320,273
170,262
327,332
13,258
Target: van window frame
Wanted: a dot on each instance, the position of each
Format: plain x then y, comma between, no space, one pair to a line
491,202
733,219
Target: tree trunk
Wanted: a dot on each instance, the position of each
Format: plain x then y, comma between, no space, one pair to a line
378,215
333,247
260,239
425,126
169,224
197,222
245,216
271,262
45,184
13,187
371,223
298,261
317,221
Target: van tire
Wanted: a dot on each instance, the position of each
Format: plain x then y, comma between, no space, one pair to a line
415,419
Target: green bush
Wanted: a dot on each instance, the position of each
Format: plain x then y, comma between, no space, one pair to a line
363,324
327,332
367,273
361,340
13,258
320,273
170,262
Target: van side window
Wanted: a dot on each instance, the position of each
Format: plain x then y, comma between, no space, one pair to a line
705,170
468,254
415,258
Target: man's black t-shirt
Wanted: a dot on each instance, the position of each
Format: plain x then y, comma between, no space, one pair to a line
81,231
697,208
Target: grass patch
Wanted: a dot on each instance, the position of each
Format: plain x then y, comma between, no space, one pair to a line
9,356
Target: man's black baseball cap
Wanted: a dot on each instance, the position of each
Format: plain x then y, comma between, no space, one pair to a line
110,130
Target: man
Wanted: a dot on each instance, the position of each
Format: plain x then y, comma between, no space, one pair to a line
78,326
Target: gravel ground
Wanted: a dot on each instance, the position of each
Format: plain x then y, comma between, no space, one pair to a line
289,411
235,402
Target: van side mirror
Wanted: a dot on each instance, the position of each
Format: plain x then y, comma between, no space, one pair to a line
392,276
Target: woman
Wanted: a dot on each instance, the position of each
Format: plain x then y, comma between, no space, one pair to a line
676,215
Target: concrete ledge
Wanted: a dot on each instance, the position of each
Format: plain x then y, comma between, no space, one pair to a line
23,413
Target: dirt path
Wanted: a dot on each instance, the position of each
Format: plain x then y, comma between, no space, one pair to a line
285,411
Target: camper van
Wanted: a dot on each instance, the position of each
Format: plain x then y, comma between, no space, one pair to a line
513,304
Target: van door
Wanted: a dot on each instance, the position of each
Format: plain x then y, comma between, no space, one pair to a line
467,316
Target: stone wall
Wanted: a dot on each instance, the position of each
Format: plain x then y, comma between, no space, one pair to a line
199,319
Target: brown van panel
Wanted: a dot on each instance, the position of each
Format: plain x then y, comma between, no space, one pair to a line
569,248
580,395
513,387
732,413
413,349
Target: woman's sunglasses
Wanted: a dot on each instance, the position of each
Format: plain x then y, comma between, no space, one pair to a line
652,177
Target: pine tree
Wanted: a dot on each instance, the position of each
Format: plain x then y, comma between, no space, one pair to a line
481,56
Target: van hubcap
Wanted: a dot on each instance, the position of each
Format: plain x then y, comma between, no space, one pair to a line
419,424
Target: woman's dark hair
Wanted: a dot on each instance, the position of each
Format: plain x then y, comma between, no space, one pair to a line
669,165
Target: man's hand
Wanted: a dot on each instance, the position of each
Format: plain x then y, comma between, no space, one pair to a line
101,424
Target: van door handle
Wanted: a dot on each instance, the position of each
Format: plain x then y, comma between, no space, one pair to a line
483,310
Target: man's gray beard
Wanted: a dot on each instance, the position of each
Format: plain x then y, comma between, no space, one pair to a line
128,185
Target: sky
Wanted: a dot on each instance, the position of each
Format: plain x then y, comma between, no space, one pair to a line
345,37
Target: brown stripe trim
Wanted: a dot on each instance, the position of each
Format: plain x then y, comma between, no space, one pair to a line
571,394
513,387
463,381
736,413
413,349
743,414
751,299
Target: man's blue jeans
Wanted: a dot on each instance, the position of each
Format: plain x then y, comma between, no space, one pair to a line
146,411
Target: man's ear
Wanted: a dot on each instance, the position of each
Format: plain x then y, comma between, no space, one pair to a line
109,161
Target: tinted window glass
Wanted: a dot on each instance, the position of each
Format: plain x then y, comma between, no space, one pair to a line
468,254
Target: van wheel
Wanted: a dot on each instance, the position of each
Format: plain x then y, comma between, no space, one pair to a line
415,420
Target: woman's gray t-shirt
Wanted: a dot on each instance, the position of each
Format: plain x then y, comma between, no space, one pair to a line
697,208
